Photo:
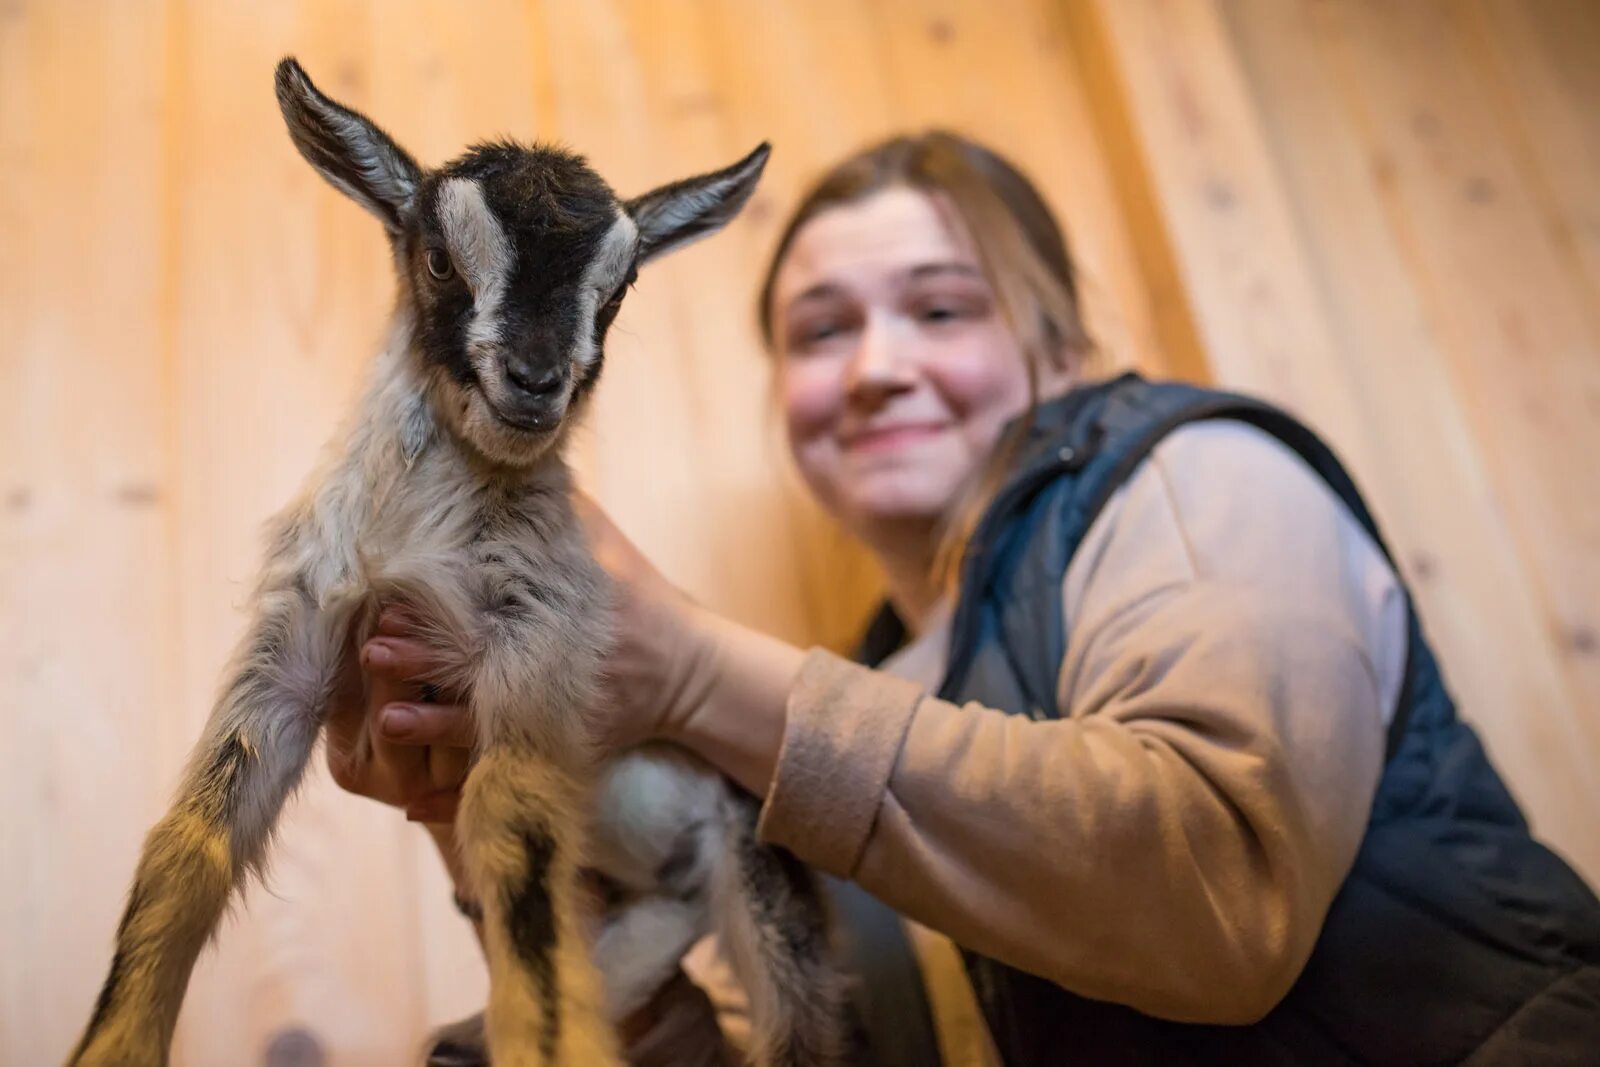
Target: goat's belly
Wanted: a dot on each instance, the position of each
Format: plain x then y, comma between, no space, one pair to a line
658,839
657,808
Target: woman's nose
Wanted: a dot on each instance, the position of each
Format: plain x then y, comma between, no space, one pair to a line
879,366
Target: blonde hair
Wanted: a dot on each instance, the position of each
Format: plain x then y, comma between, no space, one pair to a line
1024,258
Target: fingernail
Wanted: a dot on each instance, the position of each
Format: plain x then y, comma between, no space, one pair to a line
377,654
399,721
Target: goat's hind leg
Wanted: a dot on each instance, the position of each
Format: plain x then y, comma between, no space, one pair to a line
521,822
255,746
773,922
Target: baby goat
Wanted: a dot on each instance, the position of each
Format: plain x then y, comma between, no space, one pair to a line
450,497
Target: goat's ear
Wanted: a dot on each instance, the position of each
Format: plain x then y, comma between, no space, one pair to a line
348,149
676,214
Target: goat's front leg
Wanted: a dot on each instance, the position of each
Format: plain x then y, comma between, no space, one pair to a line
522,819
255,746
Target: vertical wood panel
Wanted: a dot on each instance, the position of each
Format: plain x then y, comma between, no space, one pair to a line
985,71
85,641
806,77
1226,214
1539,56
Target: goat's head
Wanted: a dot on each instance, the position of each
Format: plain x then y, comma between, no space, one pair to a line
514,261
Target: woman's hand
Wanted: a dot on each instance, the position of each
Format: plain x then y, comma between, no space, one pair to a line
409,747
677,1028
662,663
685,674
406,745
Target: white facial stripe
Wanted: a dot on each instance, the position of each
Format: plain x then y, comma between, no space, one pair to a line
600,279
482,252
610,265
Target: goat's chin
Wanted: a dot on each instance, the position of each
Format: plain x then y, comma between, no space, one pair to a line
477,424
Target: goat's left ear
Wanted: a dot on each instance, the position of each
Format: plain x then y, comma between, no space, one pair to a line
674,215
349,149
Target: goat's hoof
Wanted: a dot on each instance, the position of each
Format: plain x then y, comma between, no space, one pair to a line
461,1044
453,1054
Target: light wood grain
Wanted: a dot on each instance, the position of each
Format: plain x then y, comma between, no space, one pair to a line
1380,214
86,512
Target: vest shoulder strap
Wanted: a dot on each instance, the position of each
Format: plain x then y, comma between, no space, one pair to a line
1134,425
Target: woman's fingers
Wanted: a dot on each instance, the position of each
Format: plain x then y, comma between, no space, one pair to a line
399,657
678,1028
437,807
360,765
441,735
415,723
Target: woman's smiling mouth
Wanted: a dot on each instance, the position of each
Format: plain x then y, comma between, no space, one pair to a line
884,438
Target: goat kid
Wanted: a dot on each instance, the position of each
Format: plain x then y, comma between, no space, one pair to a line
450,497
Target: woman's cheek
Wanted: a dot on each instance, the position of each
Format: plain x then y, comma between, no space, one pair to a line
813,396
982,375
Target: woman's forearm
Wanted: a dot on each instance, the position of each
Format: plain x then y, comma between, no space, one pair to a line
1174,849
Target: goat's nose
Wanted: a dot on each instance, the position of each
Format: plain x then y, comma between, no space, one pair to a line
533,383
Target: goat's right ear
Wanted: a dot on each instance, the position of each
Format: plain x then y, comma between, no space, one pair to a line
674,215
348,149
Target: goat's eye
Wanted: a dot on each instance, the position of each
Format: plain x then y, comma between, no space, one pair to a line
622,290
439,264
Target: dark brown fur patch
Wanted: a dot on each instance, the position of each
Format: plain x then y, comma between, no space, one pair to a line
532,924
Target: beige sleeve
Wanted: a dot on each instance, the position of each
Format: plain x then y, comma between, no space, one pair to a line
1173,842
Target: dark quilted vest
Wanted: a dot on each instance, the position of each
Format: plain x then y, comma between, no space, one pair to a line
1456,936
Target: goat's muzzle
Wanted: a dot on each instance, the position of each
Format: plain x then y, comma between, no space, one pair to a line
531,398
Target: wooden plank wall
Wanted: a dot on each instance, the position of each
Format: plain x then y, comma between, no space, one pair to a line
1381,214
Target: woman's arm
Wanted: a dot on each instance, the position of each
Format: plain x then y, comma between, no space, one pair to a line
1174,843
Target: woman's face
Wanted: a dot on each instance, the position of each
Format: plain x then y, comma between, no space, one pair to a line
897,370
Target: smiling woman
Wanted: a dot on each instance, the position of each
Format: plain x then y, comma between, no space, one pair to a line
928,260
866,316
1236,727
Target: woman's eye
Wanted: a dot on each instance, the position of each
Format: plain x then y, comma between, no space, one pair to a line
817,333
940,313
439,264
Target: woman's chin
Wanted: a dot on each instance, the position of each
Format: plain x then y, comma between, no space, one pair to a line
900,500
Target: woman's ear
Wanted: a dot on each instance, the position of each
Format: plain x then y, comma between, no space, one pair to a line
349,149
676,214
